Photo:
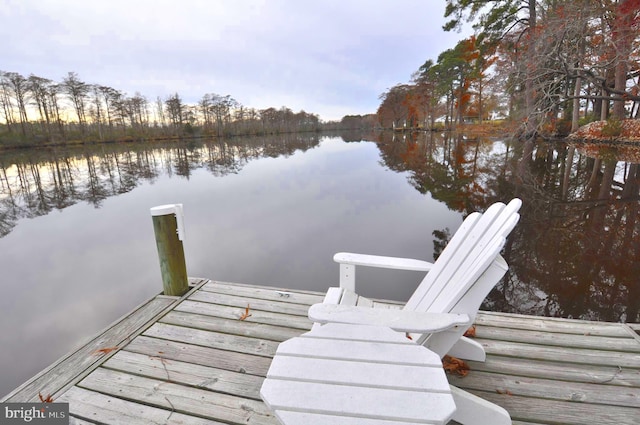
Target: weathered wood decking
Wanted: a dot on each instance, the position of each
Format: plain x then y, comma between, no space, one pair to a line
192,360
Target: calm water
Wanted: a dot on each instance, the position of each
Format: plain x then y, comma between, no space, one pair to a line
78,251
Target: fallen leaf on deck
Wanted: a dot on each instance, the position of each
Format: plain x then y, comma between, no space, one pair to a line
471,332
46,399
246,313
105,350
455,366
507,392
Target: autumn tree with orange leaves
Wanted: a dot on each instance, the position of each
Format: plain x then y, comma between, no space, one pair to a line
553,65
453,89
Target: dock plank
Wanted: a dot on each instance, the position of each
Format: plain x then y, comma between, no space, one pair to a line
254,303
606,343
561,412
178,398
173,350
550,389
293,296
88,407
233,326
551,324
590,374
561,354
227,312
222,341
195,375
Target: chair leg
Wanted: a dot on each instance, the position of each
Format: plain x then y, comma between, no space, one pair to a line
468,349
473,410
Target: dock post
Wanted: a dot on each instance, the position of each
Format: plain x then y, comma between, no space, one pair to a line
168,225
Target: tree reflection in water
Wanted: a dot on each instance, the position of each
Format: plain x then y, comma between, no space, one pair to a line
574,253
35,182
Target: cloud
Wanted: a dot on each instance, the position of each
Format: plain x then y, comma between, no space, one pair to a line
329,57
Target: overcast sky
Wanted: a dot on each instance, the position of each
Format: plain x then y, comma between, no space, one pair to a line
329,57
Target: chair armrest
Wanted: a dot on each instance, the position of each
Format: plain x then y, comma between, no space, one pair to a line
399,320
382,262
348,262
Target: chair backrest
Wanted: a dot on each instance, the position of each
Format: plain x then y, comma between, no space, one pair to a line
471,251
469,303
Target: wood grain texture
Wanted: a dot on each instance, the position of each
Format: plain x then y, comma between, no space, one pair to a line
173,269
191,374
173,350
88,407
178,398
235,313
233,326
222,341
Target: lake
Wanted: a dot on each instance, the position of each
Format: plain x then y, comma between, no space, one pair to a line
78,250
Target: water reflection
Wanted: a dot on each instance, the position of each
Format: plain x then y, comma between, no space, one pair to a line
78,248
274,210
35,182
574,253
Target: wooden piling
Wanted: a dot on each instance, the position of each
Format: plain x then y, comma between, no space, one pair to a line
169,232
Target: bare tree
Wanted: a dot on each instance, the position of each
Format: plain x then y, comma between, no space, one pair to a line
19,88
221,107
175,110
159,112
204,105
39,88
137,113
52,96
5,101
96,110
110,96
77,92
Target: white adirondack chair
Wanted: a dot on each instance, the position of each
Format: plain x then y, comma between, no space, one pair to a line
467,269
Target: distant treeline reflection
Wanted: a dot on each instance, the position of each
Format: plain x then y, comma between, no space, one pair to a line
34,182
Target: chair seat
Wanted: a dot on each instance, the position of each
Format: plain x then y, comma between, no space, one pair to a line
352,374
398,320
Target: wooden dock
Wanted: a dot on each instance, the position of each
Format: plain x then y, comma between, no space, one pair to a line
192,360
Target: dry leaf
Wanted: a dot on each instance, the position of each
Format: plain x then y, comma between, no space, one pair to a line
105,350
471,332
245,314
46,399
455,366
507,392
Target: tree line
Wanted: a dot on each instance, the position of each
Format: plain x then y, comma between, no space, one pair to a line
34,109
548,65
